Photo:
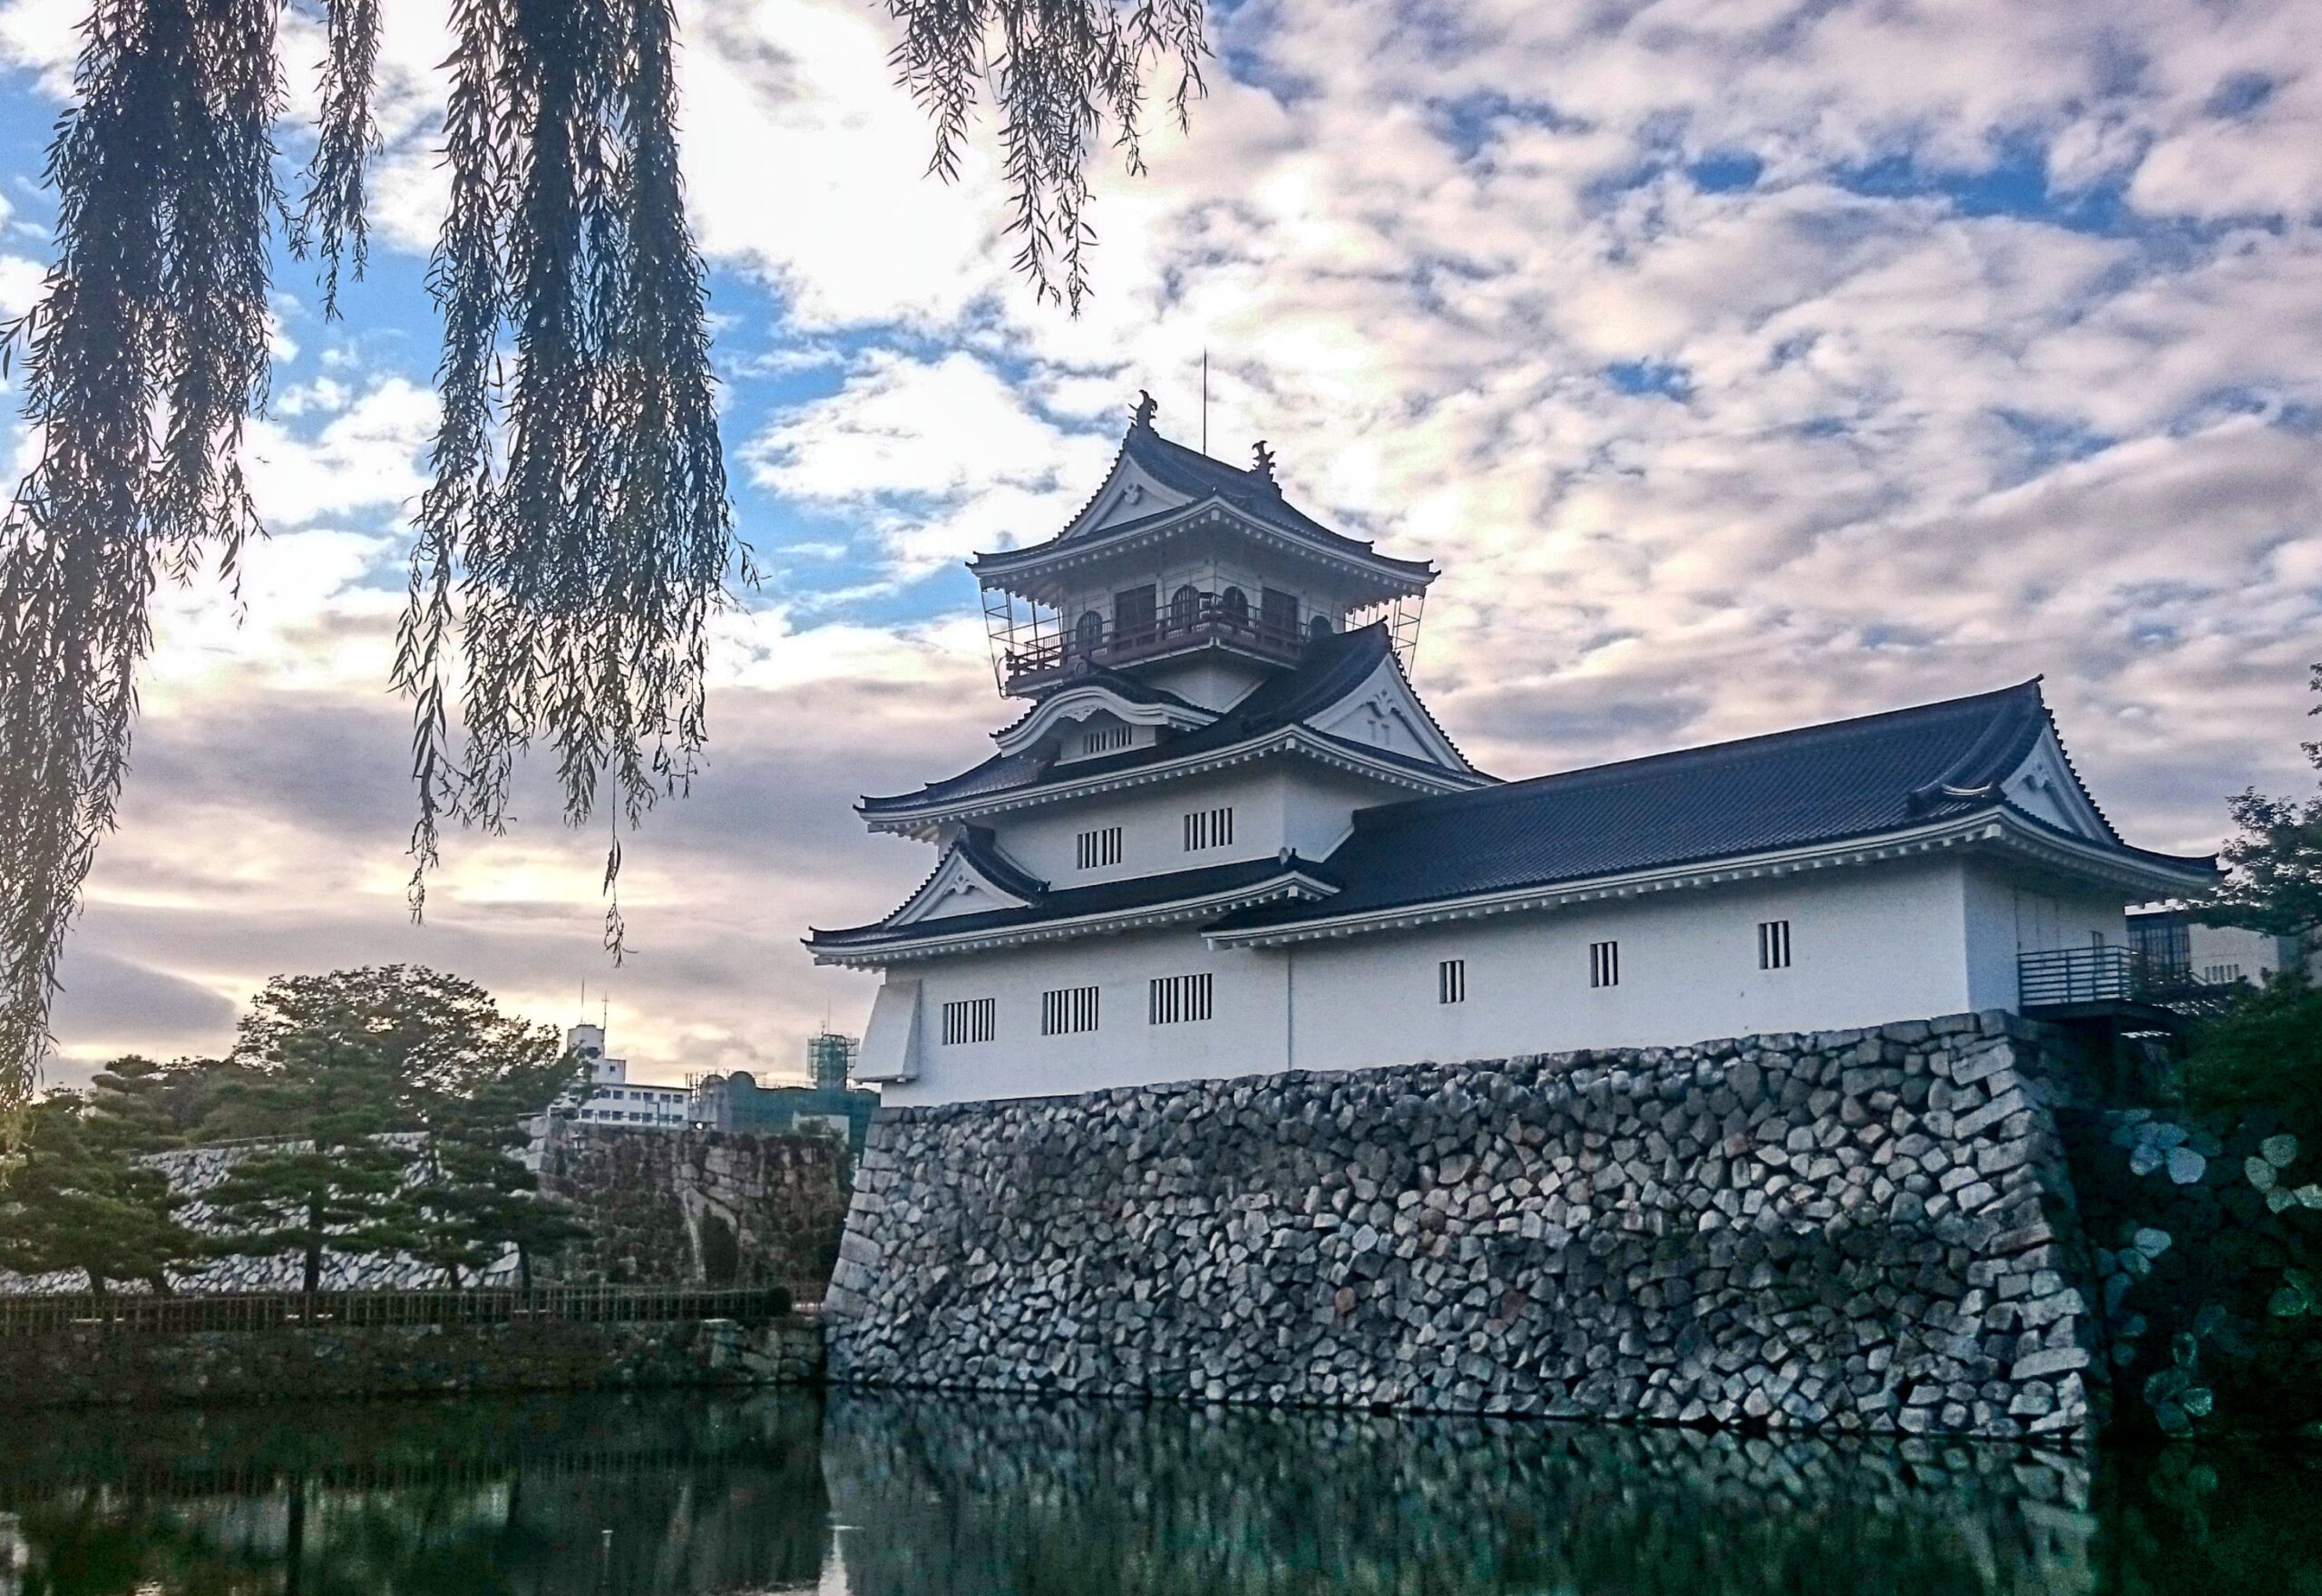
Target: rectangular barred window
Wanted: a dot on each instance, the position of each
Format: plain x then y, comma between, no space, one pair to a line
1604,964
1209,828
1094,850
1773,944
1105,739
970,1020
1067,1009
1451,981
1175,1000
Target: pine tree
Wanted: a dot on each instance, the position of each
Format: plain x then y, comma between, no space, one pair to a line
80,1199
400,1093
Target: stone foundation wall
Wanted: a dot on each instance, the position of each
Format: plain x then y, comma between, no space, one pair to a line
716,1208
663,1208
1865,1231
99,1368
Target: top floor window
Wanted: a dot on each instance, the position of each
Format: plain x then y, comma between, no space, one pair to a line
1133,616
1278,613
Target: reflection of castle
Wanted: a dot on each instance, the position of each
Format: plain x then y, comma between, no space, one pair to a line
736,1102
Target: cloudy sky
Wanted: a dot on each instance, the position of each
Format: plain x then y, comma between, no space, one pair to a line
1741,363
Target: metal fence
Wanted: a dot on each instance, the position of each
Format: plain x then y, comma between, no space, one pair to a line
260,1310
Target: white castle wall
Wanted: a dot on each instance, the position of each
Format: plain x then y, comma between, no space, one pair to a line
1869,945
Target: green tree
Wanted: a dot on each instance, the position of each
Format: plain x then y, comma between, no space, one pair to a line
80,1199
577,534
2264,1049
334,1183
476,1198
2267,1048
398,1092
2274,862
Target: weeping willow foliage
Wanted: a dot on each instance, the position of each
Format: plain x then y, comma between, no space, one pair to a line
576,536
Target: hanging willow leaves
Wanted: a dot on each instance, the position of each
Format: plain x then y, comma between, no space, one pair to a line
576,536
146,351
1057,71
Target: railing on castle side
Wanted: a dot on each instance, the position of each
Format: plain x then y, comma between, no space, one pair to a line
258,1310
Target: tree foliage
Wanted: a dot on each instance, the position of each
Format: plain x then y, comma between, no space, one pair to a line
398,1093
2264,1051
79,1198
576,536
2274,862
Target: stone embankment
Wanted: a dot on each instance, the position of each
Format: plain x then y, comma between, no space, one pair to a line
96,1366
1865,1230
688,1208
705,1208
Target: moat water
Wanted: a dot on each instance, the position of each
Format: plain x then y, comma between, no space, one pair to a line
919,1495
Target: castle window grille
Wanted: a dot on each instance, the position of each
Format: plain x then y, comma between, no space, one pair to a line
969,1019
1172,1000
1068,1010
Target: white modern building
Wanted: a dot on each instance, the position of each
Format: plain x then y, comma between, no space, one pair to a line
2172,943
610,1098
1226,837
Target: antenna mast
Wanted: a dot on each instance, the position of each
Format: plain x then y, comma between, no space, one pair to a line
1204,401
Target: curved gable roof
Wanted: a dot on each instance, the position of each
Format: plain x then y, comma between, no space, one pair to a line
1333,668
1199,478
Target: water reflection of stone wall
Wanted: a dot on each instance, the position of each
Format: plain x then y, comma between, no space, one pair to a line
1865,1231
967,1496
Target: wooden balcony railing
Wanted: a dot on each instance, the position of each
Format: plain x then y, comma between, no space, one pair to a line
1110,643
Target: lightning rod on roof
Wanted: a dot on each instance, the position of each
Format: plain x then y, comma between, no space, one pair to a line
1204,401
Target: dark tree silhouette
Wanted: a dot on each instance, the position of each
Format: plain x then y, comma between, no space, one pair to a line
577,534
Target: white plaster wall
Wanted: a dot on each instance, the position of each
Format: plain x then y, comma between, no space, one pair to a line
1151,823
1868,945
2009,913
1244,1036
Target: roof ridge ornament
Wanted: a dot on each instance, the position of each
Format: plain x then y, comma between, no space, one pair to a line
1146,408
1263,469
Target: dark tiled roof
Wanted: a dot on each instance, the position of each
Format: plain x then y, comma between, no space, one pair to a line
1333,668
1072,902
1819,785
1196,475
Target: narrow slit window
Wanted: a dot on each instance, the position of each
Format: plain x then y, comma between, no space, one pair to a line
1604,964
1066,1010
1177,1001
1105,739
1451,981
1773,944
969,1019
1096,849
1209,828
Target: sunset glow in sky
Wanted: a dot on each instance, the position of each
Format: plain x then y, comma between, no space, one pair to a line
1743,364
